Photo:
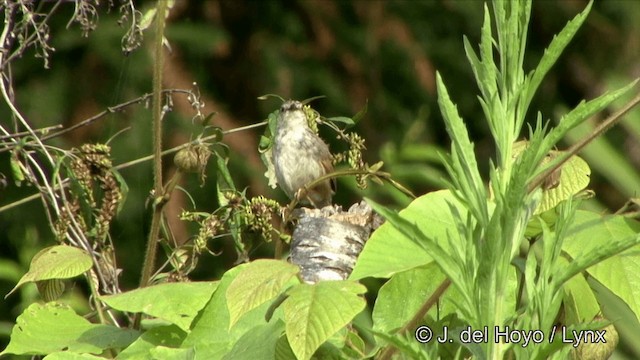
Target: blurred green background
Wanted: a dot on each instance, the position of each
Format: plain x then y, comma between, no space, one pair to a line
381,53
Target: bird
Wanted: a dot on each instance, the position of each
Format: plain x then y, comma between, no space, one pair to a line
300,156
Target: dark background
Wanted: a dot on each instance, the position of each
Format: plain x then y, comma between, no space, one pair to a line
381,53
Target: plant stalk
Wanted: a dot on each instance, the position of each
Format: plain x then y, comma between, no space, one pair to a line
159,201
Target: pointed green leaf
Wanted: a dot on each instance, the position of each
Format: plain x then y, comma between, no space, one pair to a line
315,312
580,304
583,112
463,167
259,282
46,328
393,308
170,336
56,262
431,213
179,304
342,119
593,238
210,334
258,343
552,53
360,114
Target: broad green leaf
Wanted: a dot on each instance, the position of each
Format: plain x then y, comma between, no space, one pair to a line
210,335
315,312
56,262
580,303
258,343
177,303
389,251
65,355
594,235
171,336
393,308
259,281
283,349
574,176
165,353
43,329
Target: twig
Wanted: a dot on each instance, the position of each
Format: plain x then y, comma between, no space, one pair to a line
143,159
109,110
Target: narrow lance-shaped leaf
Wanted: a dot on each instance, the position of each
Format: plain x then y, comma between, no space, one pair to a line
466,172
552,53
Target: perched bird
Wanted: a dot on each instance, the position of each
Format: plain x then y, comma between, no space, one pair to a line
300,157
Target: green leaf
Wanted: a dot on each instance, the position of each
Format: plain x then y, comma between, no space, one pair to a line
165,353
177,303
552,53
393,308
315,312
595,240
360,114
258,343
342,119
581,113
389,251
580,303
46,328
65,355
124,188
56,262
463,167
171,336
259,282
210,334
571,178
16,169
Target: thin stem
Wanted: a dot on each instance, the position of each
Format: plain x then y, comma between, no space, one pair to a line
152,241
145,158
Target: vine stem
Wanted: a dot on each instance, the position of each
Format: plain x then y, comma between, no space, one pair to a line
159,198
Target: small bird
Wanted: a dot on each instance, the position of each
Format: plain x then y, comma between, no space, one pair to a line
300,157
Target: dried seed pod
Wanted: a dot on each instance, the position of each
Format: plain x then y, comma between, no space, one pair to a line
187,160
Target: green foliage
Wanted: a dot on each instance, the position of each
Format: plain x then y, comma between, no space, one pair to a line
315,312
44,329
182,302
262,280
56,262
512,249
